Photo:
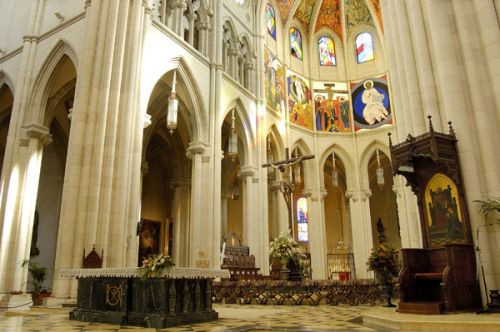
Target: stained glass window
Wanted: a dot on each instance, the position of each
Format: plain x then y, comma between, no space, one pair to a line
302,219
364,47
271,20
326,52
296,43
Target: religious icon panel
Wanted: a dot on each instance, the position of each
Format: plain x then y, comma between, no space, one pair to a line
331,106
274,82
371,103
299,101
444,217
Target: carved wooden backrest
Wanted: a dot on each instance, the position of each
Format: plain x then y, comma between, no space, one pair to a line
92,260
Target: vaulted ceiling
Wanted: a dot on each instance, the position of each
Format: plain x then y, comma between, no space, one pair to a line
338,15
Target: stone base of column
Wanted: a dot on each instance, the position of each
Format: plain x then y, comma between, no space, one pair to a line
58,302
15,301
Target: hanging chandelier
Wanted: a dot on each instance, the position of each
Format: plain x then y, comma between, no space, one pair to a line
335,174
233,140
380,173
235,190
173,108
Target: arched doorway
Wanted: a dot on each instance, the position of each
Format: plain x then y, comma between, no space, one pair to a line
57,118
6,101
340,260
232,184
383,206
166,182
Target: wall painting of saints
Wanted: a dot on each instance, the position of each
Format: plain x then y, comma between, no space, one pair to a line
274,83
444,216
331,106
371,103
299,102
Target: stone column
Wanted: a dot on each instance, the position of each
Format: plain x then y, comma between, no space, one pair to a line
317,234
178,8
280,213
408,215
198,228
191,18
410,71
223,218
203,28
179,220
362,243
17,247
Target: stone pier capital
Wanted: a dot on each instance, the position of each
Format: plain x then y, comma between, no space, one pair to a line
39,132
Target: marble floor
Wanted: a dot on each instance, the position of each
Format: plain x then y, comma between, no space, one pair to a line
232,318
258,318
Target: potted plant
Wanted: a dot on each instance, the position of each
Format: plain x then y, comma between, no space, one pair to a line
486,207
154,266
288,252
38,274
384,262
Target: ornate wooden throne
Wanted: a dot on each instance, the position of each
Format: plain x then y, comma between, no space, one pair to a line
441,276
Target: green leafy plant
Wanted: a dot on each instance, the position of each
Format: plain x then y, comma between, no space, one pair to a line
154,266
384,262
38,275
488,206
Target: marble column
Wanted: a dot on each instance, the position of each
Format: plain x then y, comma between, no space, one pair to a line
359,204
17,247
317,234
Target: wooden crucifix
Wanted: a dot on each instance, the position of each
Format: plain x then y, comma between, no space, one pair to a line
287,184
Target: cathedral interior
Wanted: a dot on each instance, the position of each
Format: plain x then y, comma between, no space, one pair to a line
205,130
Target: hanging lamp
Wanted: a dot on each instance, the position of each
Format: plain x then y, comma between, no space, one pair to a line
335,174
380,173
233,140
235,190
173,108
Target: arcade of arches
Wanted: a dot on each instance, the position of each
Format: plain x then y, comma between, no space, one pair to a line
87,158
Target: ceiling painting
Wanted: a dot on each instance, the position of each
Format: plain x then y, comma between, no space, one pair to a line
357,13
304,12
284,7
329,16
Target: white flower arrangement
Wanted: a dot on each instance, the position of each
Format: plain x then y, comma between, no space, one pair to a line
155,265
284,248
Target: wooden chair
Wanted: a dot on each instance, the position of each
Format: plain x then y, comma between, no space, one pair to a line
438,279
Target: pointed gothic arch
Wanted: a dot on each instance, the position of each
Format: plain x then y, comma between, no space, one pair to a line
346,160
44,80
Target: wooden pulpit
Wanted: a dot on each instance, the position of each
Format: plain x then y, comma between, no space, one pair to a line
440,277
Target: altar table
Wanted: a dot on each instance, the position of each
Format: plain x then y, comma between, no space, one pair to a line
119,296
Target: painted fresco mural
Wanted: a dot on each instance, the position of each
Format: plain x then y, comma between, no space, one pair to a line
284,8
329,16
357,13
304,12
331,107
444,216
299,101
274,82
371,103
